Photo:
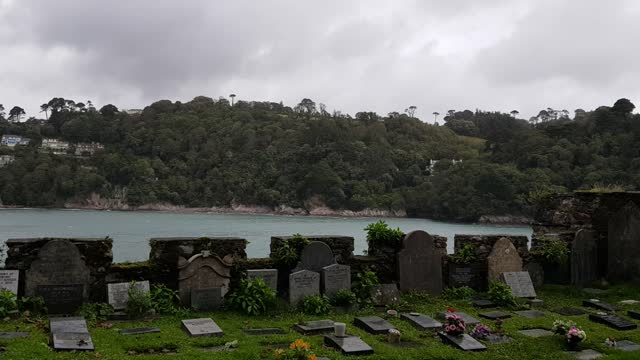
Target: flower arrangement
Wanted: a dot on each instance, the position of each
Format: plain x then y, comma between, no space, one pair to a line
298,350
610,342
561,327
454,325
575,335
481,331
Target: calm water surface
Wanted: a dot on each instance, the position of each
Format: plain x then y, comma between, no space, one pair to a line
130,231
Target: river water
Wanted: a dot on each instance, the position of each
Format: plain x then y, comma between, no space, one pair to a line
130,231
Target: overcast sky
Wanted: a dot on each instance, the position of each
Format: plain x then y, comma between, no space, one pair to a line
352,55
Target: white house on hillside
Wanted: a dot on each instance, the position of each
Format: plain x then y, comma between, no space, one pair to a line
13,140
55,145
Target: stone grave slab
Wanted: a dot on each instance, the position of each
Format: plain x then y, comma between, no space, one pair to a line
315,256
9,280
629,302
594,291
483,304
584,258
13,335
61,299
420,264
600,305
634,314
334,278
140,331
203,271
348,345
568,311
588,354
468,319
623,245
202,327
626,345
531,314
535,332
613,321
497,339
503,258
68,324
520,284
385,294
463,342
264,331
303,283
72,341
118,293
315,327
373,324
494,315
207,299
421,322
535,302
269,276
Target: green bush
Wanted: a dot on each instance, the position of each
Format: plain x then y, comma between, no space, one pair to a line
139,303
33,304
380,235
500,294
344,297
253,297
551,250
458,293
365,281
466,255
288,254
165,300
316,305
94,312
8,302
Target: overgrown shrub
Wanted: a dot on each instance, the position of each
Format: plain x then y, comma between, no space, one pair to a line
458,293
94,312
139,303
316,305
365,281
253,297
344,297
466,255
500,294
8,302
165,300
380,235
551,250
288,254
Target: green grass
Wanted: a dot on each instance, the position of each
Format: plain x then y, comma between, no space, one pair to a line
111,345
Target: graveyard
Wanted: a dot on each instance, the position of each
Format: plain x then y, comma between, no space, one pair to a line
570,294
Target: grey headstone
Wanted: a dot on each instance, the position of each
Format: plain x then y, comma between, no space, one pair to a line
503,258
623,245
269,276
348,345
315,327
613,321
421,322
140,331
588,354
303,283
567,311
600,305
68,324
13,335
498,339
265,331
202,327
520,284
420,264
203,271
483,304
72,341
118,293
531,314
470,275
207,299
315,256
626,345
9,280
463,342
335,277
494,315
584,258
373,324
535,332
468,319
385,294
536,272
56,275
634,314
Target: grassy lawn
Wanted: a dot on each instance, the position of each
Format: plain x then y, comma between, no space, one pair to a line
111,345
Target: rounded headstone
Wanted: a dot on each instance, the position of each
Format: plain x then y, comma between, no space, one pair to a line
503,258
315,256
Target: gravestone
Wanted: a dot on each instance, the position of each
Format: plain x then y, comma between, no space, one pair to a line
303,283
468,319
494,315
531,314
634,314
385,294
600,305
421,322
503,258
265,331
520,284
348,345
269,276
373,324
207,299
13,335
624,244
203,271
535,332
118,293
70,333
335,277
584,258
139,331
463,342
315,327
587,354
613,321
498,339
470,275
626,345
568,311
315,256
60,276
483,304
9,280
420,264
202,327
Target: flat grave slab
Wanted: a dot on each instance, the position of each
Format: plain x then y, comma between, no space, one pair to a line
139,331
535,332
613,321
72,341
588,354
494,315
593,291
626,345
600,305
315,327
265,331
373,324
629,302
13,335
348,345
421,322
463,342
531,314
634,314
202,327
483,304
468,319
535,302
68,324
568,311
497,339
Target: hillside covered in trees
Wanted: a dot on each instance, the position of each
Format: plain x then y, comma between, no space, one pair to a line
207,153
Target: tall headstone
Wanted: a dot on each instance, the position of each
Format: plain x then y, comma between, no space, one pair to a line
624,244
303,283
504,257
269,276
335,277
118,293
60,276
203,271
9,280
420,264
584,258
315,256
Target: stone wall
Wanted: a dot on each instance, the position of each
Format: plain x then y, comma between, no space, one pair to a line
342,246
96,253
484,244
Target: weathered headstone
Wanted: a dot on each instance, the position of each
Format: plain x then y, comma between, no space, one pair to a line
207,299
118,293
531,314
520,284
385,294
269,276
470,275
420,264
303,283
463,342
494,315
70,333
535,332
373,324
315,256
483,304
348,345
140,331
202,327
613,321
9,280
503,258
567,311
624,244
315,327
60,276
335,277
600,305
203,271
421,322
584,258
